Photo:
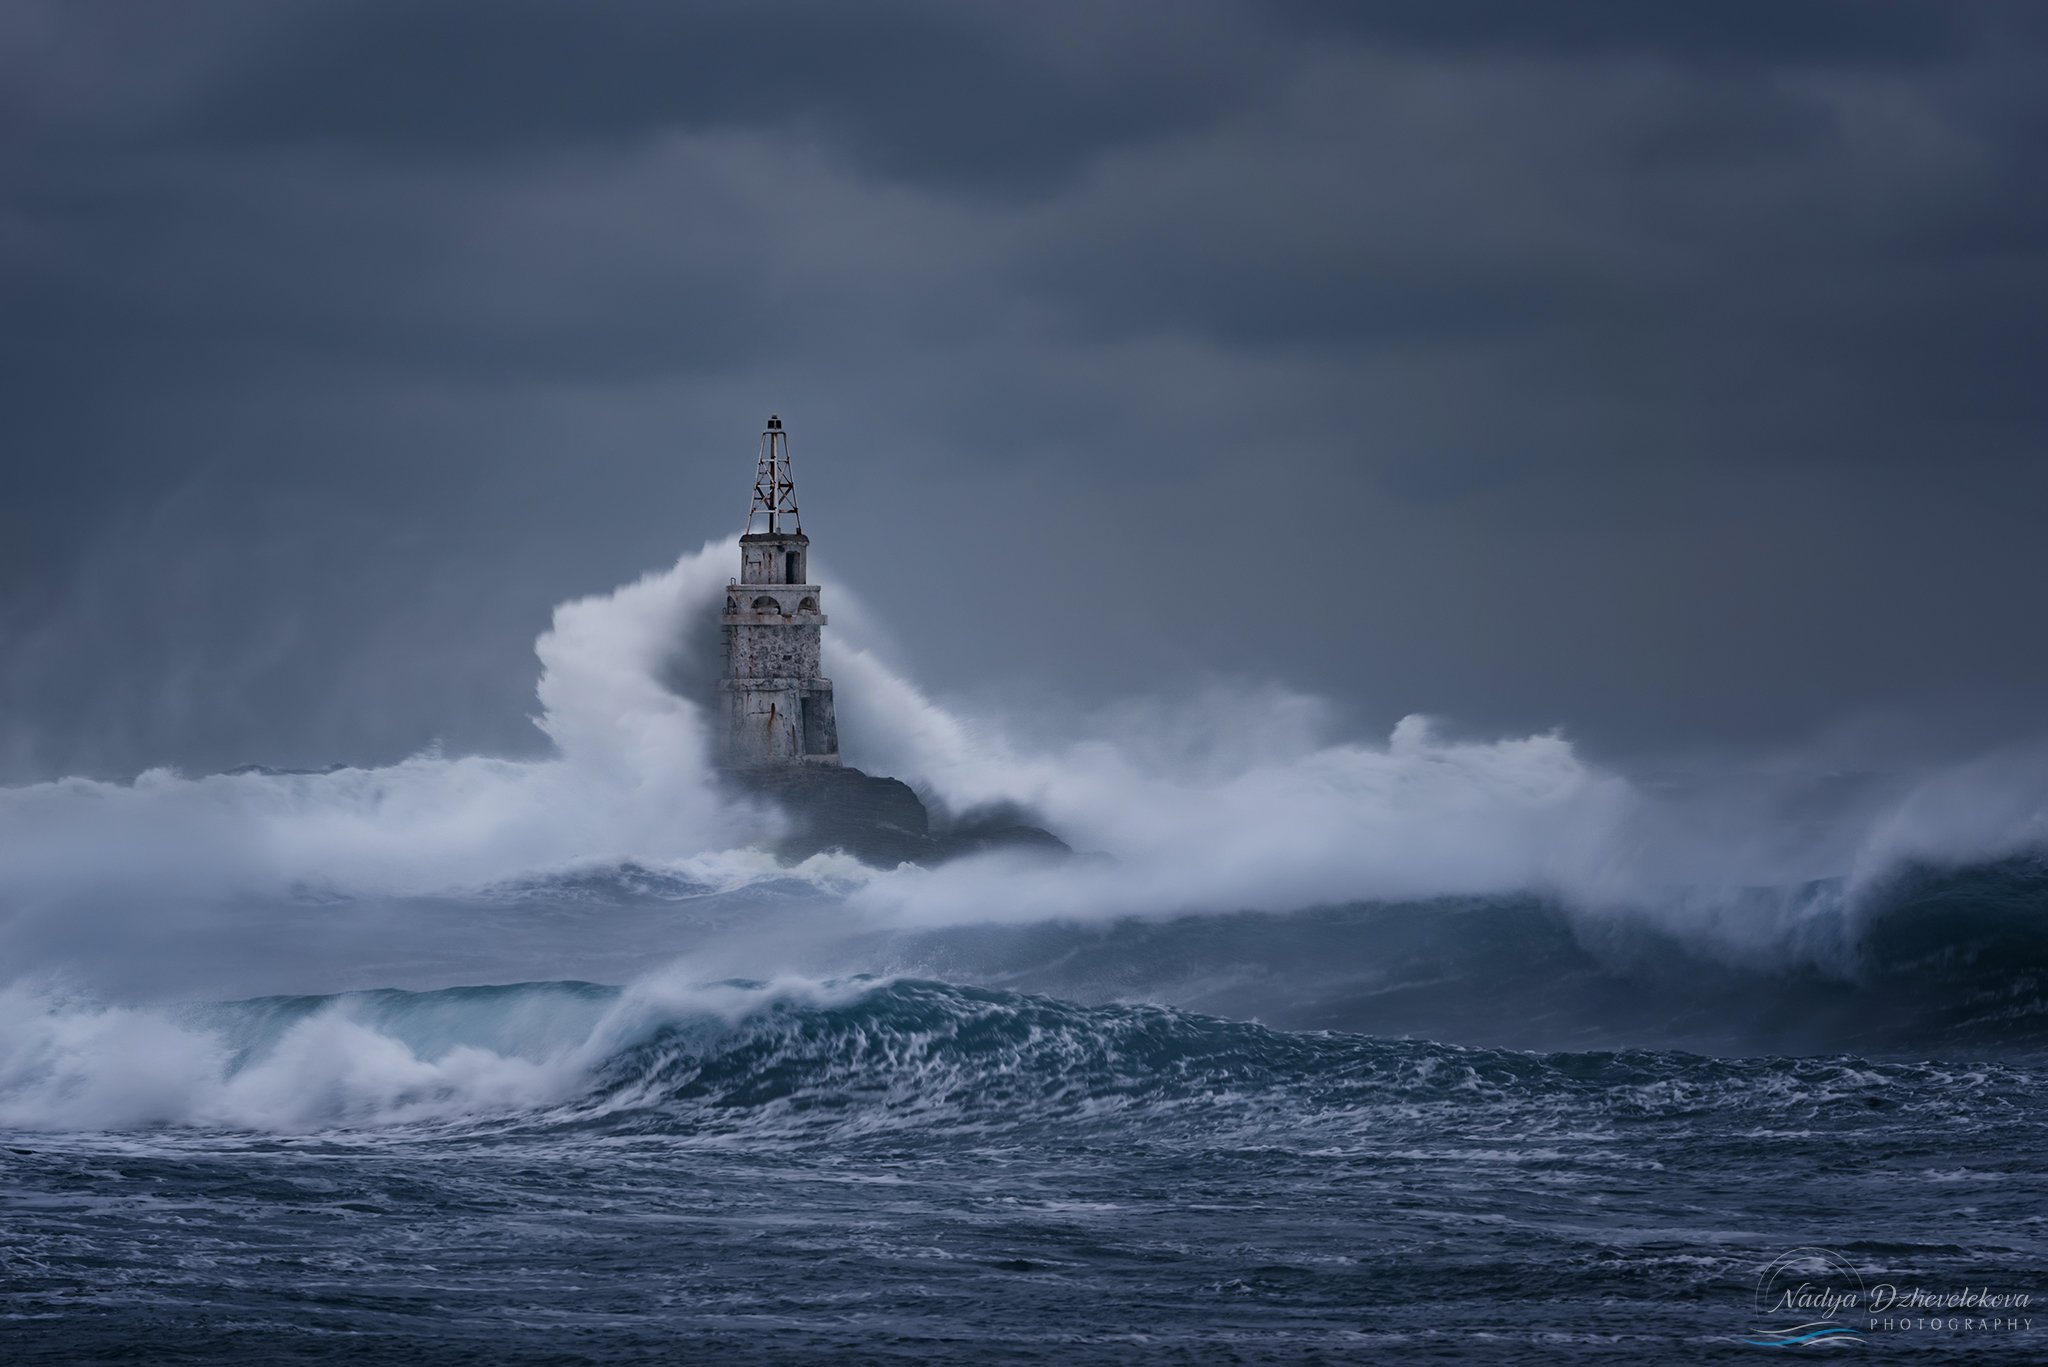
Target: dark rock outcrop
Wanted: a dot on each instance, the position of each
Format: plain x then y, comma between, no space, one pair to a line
879,821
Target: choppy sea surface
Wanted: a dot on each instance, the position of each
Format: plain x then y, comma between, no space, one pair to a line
1472,1130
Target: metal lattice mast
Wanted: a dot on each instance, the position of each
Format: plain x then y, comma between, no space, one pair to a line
774,485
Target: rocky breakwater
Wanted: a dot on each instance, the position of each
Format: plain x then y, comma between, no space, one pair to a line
880,821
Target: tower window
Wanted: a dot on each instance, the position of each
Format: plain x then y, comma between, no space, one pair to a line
793,566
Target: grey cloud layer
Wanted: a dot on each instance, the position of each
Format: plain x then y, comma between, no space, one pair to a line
1661,371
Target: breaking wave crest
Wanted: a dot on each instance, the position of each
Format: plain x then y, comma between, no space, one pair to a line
868,1058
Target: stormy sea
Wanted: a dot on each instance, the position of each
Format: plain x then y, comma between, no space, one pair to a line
1321,1048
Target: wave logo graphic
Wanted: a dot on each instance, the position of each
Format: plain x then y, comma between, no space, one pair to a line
1814,1286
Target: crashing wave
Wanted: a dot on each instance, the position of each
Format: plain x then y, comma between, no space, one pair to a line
805,1061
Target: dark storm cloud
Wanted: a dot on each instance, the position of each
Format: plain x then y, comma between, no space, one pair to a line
1706,239
965,96
1661,370
1769,31
386,271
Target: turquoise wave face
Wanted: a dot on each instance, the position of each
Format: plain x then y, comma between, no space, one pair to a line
864,1059
921,1057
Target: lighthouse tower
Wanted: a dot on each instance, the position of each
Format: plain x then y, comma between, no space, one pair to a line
778,709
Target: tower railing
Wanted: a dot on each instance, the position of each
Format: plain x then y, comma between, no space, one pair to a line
774,483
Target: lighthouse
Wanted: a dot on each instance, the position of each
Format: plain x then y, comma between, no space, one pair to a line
778,707
776,734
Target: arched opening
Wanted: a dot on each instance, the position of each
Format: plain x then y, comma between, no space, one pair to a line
766,604
809,604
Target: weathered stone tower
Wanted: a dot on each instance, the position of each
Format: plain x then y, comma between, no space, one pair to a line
778,709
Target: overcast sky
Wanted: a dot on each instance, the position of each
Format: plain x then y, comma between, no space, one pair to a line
1671,373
